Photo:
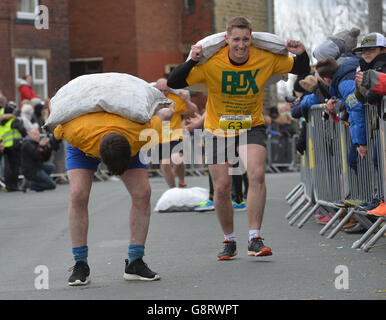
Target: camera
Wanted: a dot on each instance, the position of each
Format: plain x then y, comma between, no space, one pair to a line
290,99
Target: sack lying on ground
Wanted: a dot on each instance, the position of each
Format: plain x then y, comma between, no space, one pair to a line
118,93
181,199
262,40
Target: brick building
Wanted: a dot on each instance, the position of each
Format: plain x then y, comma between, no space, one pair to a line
145,38
29,48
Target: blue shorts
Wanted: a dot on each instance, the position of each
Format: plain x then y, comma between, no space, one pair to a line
77,159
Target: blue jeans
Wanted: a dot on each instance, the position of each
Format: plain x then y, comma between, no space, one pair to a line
41,180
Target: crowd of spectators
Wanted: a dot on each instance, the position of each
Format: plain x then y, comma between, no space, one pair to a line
25,149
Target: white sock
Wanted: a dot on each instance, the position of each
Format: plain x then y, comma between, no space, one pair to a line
230,237
253,234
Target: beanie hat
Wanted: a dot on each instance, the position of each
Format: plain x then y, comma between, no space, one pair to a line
350,38
297,86
326,49
309,83
342,42
27,109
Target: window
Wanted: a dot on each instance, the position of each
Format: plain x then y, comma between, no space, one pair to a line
79,67
188,6
26,9
39,77
37,68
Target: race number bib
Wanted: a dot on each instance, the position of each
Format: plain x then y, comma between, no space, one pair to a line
235,123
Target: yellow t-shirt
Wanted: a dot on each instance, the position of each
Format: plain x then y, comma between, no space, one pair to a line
173,130
237,90
87,131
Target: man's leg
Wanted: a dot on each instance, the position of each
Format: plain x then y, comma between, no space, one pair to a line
167,171
137,183
222,183
253,157
80,186
179,168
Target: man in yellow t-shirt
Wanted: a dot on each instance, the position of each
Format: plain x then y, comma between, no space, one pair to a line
170,147
235,77
116,141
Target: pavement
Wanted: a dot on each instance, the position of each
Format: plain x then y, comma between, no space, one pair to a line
35,252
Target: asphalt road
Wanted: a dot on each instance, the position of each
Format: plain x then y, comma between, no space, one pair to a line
182,247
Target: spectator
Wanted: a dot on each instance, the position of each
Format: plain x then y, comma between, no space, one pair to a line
373,50
35,167
25,88
39,111
341,80
11,133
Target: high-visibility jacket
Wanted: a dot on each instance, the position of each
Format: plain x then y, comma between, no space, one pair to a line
7,134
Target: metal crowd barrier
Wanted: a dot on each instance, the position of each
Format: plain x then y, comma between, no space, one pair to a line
327,177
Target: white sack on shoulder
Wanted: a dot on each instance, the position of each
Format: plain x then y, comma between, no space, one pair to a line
181,199
118,93
262,40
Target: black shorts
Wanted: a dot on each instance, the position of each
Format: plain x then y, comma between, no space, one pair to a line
224,149
165,150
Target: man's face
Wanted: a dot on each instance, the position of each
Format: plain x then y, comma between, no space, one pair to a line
163,87
239,41
369,54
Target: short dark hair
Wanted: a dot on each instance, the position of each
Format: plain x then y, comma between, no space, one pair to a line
239,22
115,152
327,67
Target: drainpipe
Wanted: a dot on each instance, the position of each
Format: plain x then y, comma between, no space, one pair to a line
270,30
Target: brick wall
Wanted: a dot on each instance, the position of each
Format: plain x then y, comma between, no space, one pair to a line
100,28
21,39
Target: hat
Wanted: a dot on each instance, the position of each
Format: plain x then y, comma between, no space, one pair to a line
341,42
35,102
350,38
27,109
328,48
372,40
309,83
297,86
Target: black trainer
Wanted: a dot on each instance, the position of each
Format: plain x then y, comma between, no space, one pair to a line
229,252
80,274
257,248
138,270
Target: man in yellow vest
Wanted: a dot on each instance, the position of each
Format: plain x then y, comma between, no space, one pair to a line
117,142
170,155
11,133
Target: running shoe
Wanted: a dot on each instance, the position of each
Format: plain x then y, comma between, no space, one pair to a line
229,251
257,248
239,206
80,274
206,205
182,185
138,270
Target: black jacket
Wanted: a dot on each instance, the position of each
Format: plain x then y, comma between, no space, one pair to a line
32,157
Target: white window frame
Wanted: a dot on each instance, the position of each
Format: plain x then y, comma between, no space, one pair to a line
28,15
21,61
18,62
43,63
